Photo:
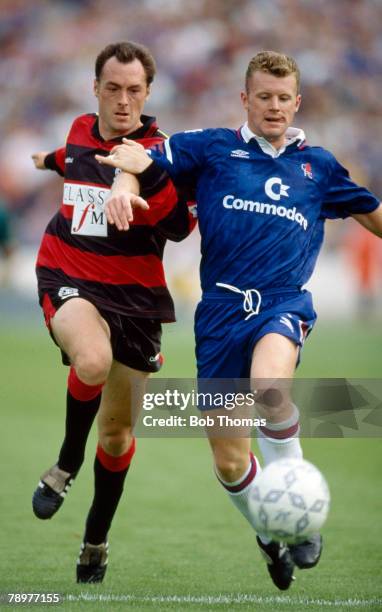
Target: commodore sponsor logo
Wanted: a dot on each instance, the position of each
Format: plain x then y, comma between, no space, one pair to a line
265,208
274,188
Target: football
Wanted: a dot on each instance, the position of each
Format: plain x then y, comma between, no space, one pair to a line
289,500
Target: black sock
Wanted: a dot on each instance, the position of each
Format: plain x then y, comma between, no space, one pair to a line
108,487
79,419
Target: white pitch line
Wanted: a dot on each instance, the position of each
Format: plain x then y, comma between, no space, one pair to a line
229,599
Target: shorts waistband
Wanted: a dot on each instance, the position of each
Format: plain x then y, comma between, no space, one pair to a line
252,298
230,296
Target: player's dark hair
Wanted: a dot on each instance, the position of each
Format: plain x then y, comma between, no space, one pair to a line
278,64
127,52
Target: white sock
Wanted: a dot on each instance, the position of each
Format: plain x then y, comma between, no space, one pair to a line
272,450
239,491
280,440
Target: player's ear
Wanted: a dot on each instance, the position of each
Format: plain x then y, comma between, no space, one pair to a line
244,99
298,102
148,91
96,87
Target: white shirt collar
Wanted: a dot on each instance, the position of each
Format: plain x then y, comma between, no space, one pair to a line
292,135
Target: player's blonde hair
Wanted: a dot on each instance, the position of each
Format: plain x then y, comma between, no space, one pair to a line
278,64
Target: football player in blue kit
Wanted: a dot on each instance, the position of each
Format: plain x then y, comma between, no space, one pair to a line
263,195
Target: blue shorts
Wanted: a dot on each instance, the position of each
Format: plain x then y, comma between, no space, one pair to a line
226,334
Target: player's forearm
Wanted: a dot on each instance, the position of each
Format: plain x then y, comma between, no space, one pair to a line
123,198
123,183
372,221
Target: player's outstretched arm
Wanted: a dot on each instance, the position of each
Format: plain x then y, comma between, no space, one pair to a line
372,221
130,157
123,198
39,160
43,160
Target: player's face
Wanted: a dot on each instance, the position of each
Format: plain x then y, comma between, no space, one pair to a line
271,103
122,92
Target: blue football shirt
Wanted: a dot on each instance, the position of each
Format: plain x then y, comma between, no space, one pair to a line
261,217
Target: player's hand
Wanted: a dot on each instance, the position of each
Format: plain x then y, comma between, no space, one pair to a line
130,157
119,209
39,159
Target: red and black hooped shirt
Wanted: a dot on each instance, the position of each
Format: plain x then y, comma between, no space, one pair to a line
121,271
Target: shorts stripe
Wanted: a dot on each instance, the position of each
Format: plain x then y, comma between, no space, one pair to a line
48,309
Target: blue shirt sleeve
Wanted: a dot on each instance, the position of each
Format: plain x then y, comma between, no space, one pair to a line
343,197
182,155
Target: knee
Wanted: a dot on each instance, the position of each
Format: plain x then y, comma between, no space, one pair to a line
93,367
116,441
272,404
230,463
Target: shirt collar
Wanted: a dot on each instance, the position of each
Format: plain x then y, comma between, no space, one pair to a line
292,135
148,128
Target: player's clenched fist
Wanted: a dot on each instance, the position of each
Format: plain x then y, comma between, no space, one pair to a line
39,159
130,157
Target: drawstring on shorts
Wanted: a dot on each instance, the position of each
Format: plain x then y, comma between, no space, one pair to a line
248,299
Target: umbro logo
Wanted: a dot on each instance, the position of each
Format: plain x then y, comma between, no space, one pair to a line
66,292
240,153
69,160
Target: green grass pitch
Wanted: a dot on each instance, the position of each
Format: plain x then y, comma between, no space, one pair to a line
176,542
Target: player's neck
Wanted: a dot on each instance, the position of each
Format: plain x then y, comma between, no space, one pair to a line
109,134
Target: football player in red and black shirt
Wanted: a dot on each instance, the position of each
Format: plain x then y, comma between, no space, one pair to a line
103,292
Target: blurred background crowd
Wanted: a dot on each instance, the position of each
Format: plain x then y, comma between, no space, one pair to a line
202,48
